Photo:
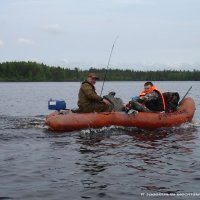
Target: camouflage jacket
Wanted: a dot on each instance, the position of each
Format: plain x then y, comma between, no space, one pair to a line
153,101
87,97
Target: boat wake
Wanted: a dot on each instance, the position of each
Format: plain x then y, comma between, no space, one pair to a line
24,122
133,131
194,123
104,132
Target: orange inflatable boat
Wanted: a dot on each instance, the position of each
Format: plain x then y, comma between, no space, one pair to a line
68,121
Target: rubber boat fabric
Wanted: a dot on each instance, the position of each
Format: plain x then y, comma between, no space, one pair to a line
75,121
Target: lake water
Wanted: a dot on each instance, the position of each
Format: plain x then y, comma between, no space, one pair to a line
107,163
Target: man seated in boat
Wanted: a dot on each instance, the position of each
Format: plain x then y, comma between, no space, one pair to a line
88,100
150,99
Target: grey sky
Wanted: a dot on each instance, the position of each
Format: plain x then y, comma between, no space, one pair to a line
153,34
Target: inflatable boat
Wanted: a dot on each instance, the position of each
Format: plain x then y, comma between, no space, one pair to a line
68,121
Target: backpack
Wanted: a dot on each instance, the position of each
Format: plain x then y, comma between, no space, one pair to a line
171,101
117,103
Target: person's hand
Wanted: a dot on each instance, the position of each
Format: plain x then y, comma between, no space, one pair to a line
106,101
128,105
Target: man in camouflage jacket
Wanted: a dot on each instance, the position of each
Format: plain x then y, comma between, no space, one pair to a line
150,99
88,100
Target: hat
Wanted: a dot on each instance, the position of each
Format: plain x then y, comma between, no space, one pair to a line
93,75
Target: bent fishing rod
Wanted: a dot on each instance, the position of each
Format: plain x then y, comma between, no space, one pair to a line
108,65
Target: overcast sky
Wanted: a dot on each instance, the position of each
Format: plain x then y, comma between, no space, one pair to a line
153,34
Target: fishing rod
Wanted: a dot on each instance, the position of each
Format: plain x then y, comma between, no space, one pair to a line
186,94
108,65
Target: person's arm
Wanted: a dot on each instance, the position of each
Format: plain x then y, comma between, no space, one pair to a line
148,97
90,94
106,101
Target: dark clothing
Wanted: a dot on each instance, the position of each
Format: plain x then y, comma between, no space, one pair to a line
138,106
171,100
153,101
150,102
89,101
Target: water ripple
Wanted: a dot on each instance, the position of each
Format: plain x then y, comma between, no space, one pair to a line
108,163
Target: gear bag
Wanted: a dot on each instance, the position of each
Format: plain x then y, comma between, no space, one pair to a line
171,101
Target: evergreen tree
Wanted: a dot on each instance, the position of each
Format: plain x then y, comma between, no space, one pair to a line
32,71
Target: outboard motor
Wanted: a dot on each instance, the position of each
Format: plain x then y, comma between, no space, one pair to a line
56,105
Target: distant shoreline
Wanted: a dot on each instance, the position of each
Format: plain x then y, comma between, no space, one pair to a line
39,72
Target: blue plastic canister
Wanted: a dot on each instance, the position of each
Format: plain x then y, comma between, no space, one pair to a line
56,104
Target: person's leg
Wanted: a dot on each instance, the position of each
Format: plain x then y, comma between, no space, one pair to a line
138,106
102,107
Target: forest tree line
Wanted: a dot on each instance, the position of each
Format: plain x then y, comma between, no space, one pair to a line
32,71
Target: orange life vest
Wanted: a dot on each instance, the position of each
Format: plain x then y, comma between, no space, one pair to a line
153,88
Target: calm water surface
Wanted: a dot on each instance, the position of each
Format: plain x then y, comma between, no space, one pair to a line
107,163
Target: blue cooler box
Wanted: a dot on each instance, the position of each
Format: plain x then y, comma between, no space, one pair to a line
56,104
